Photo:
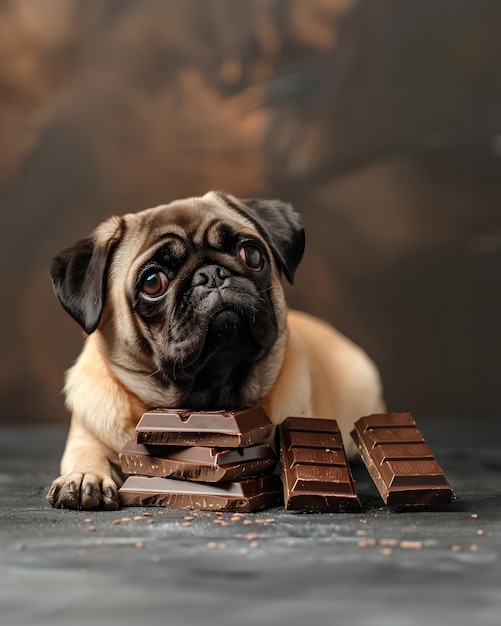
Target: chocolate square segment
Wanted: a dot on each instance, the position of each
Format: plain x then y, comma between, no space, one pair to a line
224,429
314,469
400,462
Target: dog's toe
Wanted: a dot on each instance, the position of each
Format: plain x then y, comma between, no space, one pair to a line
53,493
65,491
90,492
83,491
110,500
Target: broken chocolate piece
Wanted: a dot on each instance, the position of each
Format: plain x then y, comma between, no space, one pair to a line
197,463
252,494
400,462
314,469
223,429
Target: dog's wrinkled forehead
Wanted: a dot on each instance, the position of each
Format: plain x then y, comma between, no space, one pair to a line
203,221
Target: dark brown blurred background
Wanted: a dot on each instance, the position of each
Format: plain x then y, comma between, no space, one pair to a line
379,119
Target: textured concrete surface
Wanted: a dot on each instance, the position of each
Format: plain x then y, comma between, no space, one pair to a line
381,567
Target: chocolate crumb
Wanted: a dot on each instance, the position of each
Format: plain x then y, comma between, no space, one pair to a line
388,542
365,543
411,545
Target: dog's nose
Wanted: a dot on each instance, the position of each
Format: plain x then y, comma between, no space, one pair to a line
210,276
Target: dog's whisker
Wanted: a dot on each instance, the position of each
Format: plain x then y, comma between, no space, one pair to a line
174,368
154,373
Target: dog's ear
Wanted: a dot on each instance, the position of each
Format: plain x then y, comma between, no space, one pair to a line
281,226
283,229
79,274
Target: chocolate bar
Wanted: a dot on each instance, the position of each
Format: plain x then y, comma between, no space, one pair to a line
314,469
400,462
197,463
252,494
222,429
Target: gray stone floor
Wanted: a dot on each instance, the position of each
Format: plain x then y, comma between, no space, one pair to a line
381,567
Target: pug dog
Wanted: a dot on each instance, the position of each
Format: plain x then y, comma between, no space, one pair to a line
183,306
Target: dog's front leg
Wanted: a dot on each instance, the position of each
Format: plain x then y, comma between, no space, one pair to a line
86,480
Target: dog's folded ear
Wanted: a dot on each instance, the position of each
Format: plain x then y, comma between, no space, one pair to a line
79,274
281,226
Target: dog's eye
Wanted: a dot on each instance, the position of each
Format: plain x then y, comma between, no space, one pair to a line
252,257
154,284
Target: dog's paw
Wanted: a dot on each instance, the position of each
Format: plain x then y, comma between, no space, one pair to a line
83,491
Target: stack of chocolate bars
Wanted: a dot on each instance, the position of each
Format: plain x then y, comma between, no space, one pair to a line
219,461
208,460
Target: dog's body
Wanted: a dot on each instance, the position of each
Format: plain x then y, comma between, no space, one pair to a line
183,306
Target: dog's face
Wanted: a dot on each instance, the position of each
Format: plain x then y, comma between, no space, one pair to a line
186,299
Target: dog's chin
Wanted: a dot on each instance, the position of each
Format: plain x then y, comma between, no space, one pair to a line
217,371
225,335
